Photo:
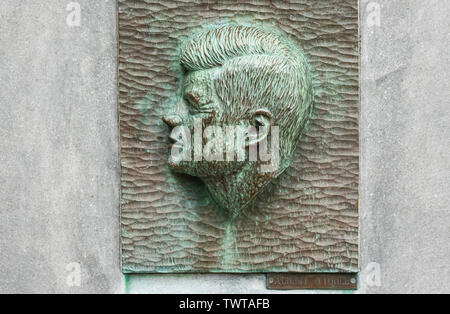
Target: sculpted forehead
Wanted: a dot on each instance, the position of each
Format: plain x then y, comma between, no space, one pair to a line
199,78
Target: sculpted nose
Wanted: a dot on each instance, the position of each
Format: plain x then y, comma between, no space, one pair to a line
172,120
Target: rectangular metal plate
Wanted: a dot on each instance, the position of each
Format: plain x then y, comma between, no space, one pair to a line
312,281
310,220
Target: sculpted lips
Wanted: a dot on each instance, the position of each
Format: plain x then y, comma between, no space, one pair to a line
174,142
172,120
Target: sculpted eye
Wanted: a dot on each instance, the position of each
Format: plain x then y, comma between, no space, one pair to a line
193,98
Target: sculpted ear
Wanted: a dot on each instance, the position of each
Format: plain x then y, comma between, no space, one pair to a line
261,125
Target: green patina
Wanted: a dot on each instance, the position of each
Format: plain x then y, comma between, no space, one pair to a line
127,284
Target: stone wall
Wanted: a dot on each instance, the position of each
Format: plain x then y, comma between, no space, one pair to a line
59,168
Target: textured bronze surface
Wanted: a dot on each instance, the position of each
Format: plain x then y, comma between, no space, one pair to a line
309,220
312,281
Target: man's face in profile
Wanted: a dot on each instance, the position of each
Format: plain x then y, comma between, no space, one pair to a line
246,92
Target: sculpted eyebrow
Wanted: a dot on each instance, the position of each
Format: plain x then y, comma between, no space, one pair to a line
189,94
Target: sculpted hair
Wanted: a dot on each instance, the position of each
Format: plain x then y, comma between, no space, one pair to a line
259,70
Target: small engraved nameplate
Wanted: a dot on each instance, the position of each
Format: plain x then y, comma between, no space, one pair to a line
312,281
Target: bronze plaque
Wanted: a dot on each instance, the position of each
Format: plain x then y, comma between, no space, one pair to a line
279,197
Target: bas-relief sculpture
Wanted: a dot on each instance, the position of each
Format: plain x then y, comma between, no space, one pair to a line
286,68
241,76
